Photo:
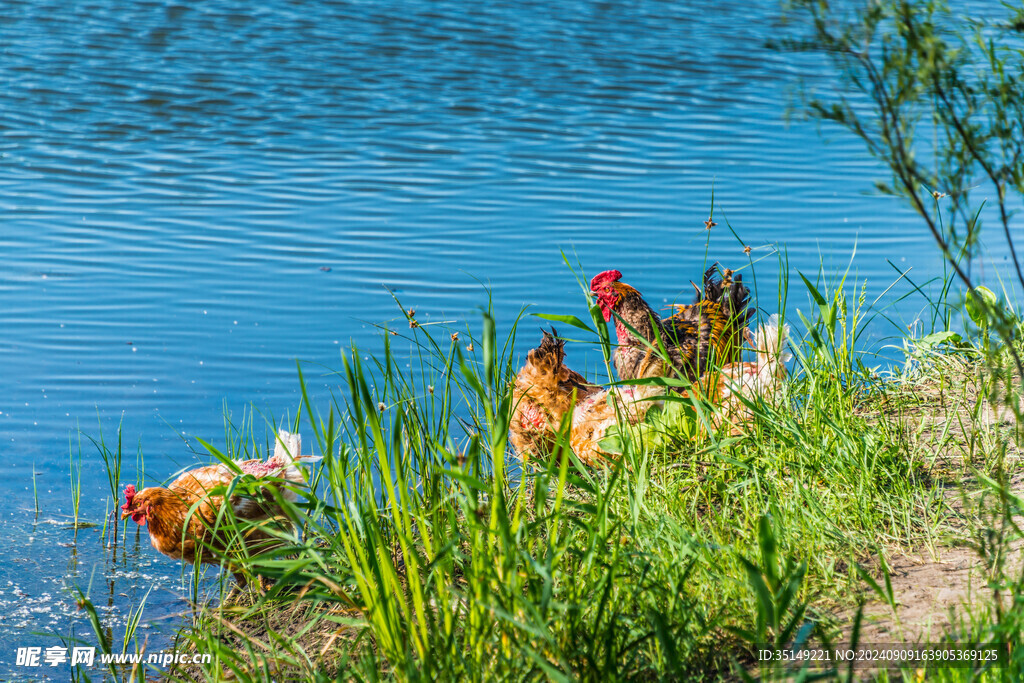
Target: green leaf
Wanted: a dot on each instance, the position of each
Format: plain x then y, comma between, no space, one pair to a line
979,301
818,298
870,581
612,443
769,549
765,603
939,338
567,319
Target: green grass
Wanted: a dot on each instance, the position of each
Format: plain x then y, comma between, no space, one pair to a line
426,552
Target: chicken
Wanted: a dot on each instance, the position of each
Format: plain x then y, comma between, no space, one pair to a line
708,333
186,520
545,390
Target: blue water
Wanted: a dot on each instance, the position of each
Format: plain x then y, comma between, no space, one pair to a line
193,196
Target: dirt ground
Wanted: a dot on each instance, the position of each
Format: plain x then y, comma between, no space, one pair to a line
931,587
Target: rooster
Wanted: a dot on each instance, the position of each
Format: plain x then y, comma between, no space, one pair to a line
186,520
708,333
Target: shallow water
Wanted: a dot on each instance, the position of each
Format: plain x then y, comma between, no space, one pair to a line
195,196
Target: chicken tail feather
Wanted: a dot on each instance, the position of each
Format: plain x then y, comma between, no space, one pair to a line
728,291
772,356
549,355
288,446
287,450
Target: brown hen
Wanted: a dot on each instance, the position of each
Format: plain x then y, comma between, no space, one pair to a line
546,392
187,521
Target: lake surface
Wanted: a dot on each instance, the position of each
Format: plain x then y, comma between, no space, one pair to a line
193,196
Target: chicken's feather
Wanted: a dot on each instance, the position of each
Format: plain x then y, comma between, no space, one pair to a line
187,518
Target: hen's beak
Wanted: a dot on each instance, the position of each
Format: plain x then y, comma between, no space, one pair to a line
125,514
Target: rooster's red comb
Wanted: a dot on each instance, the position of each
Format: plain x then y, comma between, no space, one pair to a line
129,493
604,278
